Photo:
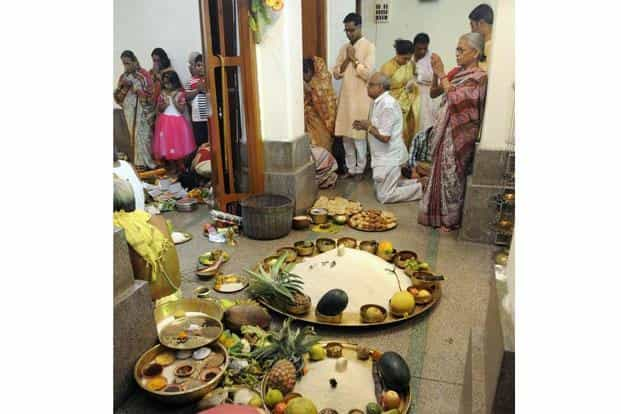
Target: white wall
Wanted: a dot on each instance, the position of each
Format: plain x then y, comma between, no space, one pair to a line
443,20
143,25
499,108
279,74
335,13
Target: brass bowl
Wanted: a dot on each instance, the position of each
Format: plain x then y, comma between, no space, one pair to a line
369,246
301,222
331,319
340,219
366,319
422,284
202,292
269,261
505,224
303,248
206,273
291,253
319,215
347,242
403,256
180,397
509,197
324,245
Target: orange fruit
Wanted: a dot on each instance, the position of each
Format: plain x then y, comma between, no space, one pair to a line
279,408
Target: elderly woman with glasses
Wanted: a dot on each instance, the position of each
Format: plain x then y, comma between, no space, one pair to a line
454,133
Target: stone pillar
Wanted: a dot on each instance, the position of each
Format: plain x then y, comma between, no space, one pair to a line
289,168
134,324
491,154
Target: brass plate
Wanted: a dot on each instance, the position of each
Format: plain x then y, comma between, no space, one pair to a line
178,334
349,352
389,227
218,286
181,397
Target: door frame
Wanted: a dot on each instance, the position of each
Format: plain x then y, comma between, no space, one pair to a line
246,61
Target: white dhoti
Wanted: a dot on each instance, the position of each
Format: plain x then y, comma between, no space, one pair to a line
390,187
355,154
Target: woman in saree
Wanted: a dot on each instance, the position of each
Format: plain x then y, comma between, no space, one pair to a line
402,74
134,93
319,119
161,65
454,134
319,102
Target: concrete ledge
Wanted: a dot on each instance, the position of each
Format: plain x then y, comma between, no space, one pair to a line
290,170
489,167
286,156
479,212
134,333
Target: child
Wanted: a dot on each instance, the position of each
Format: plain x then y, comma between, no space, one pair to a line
198,99
173,139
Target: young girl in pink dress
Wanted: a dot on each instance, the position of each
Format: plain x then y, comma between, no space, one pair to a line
173,139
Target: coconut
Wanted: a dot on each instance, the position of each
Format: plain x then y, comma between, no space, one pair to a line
246,314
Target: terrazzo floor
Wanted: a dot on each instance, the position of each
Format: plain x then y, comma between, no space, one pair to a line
434,344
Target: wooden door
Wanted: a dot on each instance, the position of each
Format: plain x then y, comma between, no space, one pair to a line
234,128
314,28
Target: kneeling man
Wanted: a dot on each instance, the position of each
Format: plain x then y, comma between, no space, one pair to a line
386,145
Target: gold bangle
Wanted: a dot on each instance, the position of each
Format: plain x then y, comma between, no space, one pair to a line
369,128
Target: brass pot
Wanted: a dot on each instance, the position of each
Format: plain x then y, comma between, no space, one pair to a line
319,215
301,222
291,253
330,319
422,284
181,397
340,219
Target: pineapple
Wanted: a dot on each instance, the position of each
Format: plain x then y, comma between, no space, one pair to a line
282,376
278,286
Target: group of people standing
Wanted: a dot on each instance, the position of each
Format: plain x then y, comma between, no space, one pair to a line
166,121
391,113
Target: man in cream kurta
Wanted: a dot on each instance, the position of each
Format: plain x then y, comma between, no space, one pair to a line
482,21
354,66
388,150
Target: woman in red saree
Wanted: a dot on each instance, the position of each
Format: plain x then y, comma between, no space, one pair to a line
454,134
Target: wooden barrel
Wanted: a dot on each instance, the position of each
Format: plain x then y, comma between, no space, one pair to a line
267,216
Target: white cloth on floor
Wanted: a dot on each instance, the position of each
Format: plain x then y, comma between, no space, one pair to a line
355,154
390,187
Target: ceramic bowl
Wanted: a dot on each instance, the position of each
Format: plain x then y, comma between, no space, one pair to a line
304,247
291,253
319,215
301,222
369,246
370,319
403,256
323,245
347,242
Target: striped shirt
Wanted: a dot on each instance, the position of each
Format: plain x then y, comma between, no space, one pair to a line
201,104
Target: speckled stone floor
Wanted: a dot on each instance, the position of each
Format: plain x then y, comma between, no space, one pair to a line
435,344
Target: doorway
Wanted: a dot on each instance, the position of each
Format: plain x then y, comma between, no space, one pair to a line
314,28
237,149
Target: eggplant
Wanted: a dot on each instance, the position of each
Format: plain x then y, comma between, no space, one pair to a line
394,371
332,302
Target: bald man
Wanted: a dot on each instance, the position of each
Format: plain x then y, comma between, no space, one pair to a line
388,152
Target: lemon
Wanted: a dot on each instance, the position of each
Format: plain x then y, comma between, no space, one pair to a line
317,352
402,302
385,247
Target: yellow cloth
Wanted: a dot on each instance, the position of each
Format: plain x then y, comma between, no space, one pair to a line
145,239
400,76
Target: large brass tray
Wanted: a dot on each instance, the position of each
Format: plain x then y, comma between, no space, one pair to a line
348,400
353,318
183,397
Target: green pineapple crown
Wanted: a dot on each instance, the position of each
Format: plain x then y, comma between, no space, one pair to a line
277,285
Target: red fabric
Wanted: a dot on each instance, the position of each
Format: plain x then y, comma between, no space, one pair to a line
230,409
